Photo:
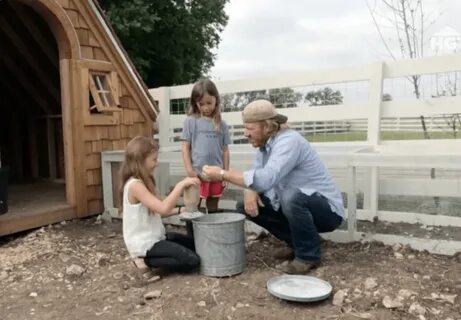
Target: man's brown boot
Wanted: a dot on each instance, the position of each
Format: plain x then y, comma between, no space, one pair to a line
298,267
285,253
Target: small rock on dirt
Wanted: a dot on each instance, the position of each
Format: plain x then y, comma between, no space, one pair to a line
3,275
389,303
75,269
370,283
405,294
153,294
339,296
398,255
416,309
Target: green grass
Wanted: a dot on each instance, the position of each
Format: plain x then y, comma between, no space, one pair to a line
385,135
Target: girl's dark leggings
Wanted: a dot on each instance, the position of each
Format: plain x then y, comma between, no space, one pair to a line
175,253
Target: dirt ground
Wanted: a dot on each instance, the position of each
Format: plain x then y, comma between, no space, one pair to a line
80,270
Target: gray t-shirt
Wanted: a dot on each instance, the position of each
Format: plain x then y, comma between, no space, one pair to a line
206,144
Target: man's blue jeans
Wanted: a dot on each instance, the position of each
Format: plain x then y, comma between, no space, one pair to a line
298,221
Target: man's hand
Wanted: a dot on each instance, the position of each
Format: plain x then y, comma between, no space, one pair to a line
211,173
251,201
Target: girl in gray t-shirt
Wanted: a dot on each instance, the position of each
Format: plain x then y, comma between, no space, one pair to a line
205,139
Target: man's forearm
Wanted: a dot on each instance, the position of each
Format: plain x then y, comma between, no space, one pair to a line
226,160
234,177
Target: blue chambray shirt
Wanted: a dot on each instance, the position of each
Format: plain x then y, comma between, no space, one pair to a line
288,161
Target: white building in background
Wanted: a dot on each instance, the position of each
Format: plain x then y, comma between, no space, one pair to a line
447,40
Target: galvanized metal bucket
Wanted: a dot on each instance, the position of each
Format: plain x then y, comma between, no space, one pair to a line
220,243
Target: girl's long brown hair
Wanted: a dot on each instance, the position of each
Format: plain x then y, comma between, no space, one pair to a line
198,91
137,150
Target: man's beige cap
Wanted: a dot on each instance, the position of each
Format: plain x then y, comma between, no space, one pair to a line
260,110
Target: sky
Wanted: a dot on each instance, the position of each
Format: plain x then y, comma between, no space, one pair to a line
266,37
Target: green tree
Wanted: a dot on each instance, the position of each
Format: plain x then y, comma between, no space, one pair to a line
170,41
280,97
325,96
284,97
237,101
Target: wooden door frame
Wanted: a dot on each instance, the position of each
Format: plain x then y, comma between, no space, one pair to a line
69,68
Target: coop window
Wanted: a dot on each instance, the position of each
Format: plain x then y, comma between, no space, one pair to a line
103,98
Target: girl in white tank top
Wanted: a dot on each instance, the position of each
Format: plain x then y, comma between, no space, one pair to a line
143,231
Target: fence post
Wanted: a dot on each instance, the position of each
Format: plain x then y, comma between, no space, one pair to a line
352,202
375,98
164,126
374,129
162,175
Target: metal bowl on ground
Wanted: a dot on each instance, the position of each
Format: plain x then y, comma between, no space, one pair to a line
299,288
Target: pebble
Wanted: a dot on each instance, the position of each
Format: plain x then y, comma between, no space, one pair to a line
405,293
416,309
370,283
74,270
3,275
391,304
398,255
117,275
338,298
153,294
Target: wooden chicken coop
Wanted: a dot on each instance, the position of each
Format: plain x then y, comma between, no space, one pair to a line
68,92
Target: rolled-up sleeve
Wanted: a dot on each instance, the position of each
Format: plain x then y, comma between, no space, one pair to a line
248,177
282,159
249,174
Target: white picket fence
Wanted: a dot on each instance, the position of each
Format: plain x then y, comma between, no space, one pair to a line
396,124
408,124
372,167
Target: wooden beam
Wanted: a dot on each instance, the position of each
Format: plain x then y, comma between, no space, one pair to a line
19,221
20,13
32,131
74,78
51,148
23,49
68,128
16,135
24,81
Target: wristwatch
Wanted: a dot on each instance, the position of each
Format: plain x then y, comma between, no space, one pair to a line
221,173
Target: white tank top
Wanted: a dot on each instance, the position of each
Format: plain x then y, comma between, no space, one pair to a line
141,229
